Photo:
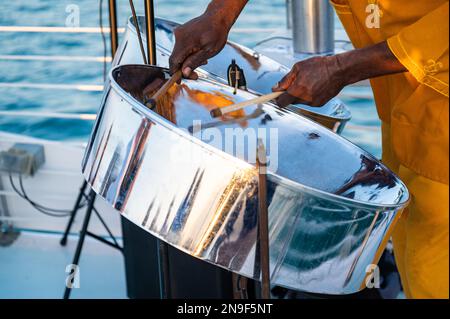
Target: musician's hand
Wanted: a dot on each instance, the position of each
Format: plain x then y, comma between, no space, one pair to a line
203,37
312,82
197,41
315,81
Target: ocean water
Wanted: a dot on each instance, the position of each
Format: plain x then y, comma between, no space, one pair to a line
258,14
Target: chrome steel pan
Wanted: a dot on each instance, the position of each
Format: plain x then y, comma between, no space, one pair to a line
331,204
260,71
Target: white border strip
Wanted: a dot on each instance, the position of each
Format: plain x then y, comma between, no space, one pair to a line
5,28
68,116
49,86
55,58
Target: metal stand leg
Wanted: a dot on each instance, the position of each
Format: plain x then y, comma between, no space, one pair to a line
83,233
73,214
240,287
163,265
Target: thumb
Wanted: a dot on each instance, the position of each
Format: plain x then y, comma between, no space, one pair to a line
192,62
285,82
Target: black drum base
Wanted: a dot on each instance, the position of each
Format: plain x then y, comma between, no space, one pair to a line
189,278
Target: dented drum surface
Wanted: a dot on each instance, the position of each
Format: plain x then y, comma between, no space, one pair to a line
191,182
261,72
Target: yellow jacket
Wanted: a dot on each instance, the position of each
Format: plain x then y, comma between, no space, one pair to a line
414,104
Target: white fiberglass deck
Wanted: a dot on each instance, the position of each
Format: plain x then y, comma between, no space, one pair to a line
34,267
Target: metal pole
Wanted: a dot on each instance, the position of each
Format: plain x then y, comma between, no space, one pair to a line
263,220
83,233
163,257
313,26
113,27
289,14
75,209
150,26
138,30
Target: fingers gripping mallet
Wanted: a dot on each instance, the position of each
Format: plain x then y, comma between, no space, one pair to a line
217,112
152,102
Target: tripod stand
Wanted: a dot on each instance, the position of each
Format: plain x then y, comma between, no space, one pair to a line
84,228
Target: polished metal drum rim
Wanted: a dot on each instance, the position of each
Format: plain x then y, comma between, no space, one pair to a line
296,108
145,111
311,110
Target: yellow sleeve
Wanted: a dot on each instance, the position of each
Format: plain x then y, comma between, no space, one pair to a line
423,49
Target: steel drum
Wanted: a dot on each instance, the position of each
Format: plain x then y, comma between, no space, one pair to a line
189,180
260,71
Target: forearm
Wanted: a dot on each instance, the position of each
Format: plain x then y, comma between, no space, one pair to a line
225,12
367,63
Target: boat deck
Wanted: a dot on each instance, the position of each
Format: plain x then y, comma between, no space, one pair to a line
34,267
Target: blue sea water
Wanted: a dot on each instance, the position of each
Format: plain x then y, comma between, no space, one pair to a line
258,14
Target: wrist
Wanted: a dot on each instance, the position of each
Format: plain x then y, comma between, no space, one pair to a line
350,69
339,70
366,63
225,12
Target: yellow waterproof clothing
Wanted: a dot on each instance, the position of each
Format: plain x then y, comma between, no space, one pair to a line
421,234
413,107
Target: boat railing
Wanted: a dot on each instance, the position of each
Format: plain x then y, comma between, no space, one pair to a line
100,59
107,30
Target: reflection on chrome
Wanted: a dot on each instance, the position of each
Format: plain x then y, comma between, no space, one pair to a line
331,205
261,72
240,142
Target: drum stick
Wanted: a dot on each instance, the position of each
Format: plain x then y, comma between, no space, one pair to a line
136,23
238,106
163,89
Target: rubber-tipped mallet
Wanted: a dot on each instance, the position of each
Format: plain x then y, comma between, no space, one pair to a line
217,112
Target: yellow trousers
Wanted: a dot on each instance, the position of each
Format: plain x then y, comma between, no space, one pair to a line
420,238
